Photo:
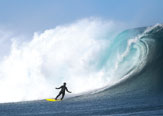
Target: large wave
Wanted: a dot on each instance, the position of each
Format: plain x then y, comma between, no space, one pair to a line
87,54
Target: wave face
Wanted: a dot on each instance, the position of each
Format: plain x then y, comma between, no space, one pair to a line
146,77
88,55
149,79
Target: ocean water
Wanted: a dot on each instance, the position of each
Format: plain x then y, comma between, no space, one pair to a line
133,62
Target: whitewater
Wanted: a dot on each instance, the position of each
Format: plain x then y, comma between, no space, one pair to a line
73,53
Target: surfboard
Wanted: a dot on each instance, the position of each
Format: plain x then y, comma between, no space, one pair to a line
53,100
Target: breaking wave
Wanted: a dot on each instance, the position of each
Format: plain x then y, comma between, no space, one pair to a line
88,54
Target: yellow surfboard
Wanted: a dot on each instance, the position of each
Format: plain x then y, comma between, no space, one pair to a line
52,100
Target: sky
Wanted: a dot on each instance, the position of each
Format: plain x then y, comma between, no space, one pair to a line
29,16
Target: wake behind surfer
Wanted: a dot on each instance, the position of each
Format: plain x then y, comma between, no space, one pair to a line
62,91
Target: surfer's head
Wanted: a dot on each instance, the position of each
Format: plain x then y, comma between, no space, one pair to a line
64,83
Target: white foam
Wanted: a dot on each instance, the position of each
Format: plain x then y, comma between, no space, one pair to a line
67,53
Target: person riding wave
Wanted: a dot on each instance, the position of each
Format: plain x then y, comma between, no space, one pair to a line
62,91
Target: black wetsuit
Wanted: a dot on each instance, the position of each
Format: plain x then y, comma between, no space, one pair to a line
63,89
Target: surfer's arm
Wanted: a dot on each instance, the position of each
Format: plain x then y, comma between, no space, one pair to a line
59,87
68,90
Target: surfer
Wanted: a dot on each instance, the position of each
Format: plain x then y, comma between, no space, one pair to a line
63,89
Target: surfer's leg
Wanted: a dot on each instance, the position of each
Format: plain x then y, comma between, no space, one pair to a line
63,94
58,95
